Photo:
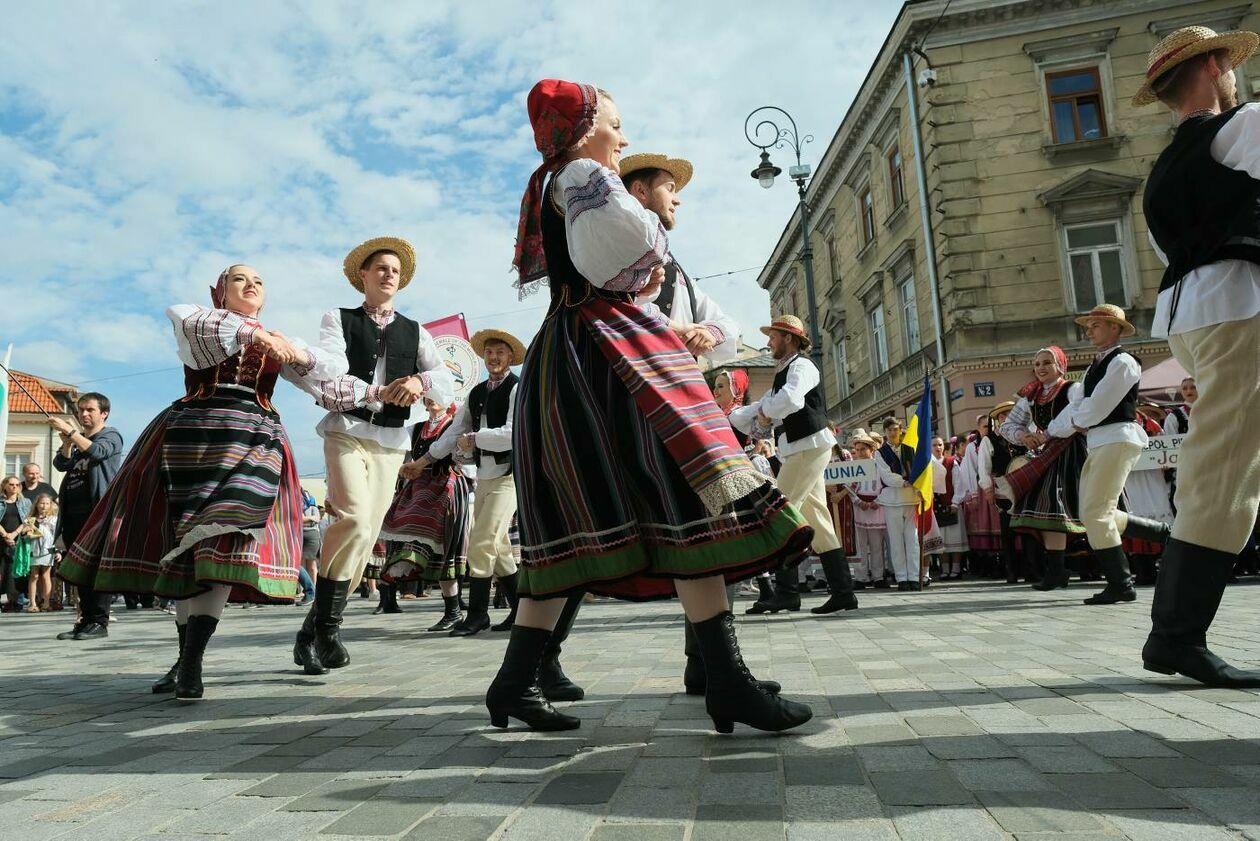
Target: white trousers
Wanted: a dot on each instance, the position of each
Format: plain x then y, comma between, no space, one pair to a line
489,547
361,479
801,481
870,551
903,541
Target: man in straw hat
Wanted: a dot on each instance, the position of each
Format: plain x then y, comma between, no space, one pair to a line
1201,202
793,413
481,434
391,362
1103,407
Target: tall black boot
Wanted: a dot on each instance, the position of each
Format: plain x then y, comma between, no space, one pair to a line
732,693
478,617
304,653
695,681
388,598
765,595
330,602
1009,558
1152,531
1055,574
451,614
507,586
514,692
197,634
166,683
839,582
552,681
1119,587
787,592
1187,594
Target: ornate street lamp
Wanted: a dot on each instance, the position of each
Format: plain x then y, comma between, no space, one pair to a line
764,134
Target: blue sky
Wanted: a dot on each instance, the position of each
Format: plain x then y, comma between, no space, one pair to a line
145,146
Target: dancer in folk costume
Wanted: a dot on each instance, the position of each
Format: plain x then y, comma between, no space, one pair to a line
868,517
481,434
631,484
792,414
945,469
1177,422
994,456
207,504
427,525
840,499
900,501
392,362
984,532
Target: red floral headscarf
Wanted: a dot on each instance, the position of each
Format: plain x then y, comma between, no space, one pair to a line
1034,391
738,381
562,115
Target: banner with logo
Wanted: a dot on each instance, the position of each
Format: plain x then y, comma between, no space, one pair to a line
450,334
1161,451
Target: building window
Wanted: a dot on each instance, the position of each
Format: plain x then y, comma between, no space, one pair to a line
840,358
910,315
13,463
866,206
1096,260
1076,105
833,259
879,342
895,181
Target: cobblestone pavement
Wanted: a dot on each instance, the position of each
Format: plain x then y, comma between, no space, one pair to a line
970,711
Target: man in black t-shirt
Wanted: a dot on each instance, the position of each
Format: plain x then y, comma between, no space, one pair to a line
33,483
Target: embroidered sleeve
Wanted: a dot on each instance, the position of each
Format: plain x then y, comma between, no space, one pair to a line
205,337
744,418
434,375
802,377
445,444
344,392
499,440
1017,422
613,240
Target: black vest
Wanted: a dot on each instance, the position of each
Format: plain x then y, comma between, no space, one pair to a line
364,344
1198,210
665,300
495,406
1126,410
1183,419
805,421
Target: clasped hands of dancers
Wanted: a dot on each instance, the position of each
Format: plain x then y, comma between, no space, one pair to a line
634,483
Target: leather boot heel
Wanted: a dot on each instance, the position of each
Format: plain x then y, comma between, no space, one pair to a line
196,636
166,683
514,692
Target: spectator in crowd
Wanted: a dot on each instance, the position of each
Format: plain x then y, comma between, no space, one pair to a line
14,509
312,539
33,483
89,459
900,502
945,501
40,534
868,518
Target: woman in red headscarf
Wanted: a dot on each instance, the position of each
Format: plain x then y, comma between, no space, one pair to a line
631,483
1045,491
207,505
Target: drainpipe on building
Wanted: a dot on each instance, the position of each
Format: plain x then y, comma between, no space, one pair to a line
920,171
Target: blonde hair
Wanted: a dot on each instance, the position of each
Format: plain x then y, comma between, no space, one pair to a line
52,505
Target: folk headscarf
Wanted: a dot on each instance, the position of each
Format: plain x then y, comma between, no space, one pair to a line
738,381
218,292
1034,391
562,115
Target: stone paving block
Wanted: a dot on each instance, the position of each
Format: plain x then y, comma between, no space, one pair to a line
953,822
997,775
381,816
492,798
1180,772
1120,790
574,789
832,803
8,794
919,788
1125,744
871,829
1221,751
1038,812
882,735
738,823
337,796
222,816
638,804
943,725
1224,805
290,784
448,828
666,772
897,758
832,768
740,788
968,747
1163,825
1065,759
638,832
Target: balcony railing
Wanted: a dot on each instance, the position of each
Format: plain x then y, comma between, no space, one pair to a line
905,373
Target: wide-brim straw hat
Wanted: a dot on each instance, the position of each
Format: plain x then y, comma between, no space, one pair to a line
1108,312
354,260
1000,408
859,436
479,339
679,168
789,324
1186,43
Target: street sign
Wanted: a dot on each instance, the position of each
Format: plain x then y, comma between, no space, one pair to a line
985,390
849,472
956,394
1161,451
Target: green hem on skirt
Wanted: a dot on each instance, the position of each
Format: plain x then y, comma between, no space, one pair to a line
1046,524
421,561
709,558
177,586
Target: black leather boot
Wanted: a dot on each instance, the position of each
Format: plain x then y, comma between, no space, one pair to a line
451,615
552,681
1188,592
478,617
1055,575
787,592
166,683
507,586
695,681
1119,587
388,599
514,692
732,693
330,602
304,653
765,595
839,582
1152,531
188,680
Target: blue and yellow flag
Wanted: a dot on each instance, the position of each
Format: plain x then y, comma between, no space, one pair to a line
919,438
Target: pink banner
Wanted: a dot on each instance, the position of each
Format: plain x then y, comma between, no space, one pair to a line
452,325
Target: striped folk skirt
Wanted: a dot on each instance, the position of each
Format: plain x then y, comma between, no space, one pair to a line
984,526
603,506
1053,502
427,529
208,495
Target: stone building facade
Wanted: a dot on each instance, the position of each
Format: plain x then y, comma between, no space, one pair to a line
1034,162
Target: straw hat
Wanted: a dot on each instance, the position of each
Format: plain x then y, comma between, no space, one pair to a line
479,339
1186,43
1000,408
791,325
1108,312
680,168
354,260
859,436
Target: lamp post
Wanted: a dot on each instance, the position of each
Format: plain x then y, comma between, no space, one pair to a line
764,133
